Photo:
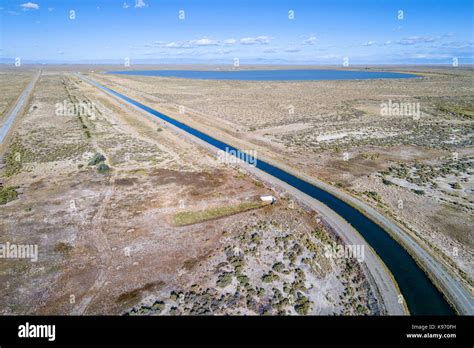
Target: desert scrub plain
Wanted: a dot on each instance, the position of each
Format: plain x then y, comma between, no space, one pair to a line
283,272
131,217
416,168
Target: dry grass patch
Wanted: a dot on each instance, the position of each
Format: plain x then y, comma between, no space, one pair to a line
7,194
193,217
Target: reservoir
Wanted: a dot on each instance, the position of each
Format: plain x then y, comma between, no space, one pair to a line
421,296
270,75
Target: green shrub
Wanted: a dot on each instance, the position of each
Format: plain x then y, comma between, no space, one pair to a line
96,159
372,194
174,311
278,267
302,305
224,280
7,194
456,186
102,168
243,279
173,295
14,159
64,248
269,277
158,306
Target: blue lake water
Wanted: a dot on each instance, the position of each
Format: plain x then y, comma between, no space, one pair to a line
270,75
421,296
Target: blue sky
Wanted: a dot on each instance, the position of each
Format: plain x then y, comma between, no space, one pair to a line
321,32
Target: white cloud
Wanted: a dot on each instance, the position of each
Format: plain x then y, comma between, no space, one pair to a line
255,40
329,56
140,4
292,50
180,44
263,40
30,6
414,40
204,42
173,45
457,44
388,42
125,5
50,9
431,56
310,41
188,44
369,43
230,41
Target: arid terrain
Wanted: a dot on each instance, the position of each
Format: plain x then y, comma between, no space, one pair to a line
130,217
11,85
404,146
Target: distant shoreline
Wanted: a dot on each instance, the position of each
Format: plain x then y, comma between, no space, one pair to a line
205,66
269,74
